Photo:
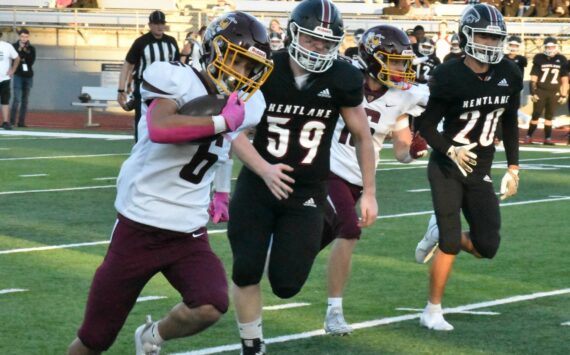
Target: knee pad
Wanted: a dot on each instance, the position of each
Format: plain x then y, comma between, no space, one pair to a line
488,247
285,292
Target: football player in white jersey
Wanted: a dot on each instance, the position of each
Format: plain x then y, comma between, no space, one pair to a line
163,190
386,54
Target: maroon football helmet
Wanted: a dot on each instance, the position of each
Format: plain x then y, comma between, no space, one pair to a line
386,53
233,36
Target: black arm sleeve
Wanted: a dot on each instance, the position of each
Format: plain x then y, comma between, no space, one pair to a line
428,121
511,130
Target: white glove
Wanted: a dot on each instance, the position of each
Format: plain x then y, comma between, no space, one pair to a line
509,183
463,157
534,98
562,99
420,60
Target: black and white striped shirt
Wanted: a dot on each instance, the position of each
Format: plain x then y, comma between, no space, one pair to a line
147,49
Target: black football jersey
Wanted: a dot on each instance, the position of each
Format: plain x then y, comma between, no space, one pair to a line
519,60
425,69
452,55
297,126
549,71
473,107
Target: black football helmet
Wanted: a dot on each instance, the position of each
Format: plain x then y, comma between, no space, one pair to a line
319,19
379,48
426,46
482,19
231,36
550,46
514,44
455,44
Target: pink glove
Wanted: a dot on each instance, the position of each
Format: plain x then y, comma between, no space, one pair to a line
233,112
218,209
419,147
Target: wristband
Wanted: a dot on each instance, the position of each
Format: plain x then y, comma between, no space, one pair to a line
219,124
120,91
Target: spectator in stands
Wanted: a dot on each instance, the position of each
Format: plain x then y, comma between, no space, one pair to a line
560,8
62,4
511,7
85,4
442,41
537,8
9,61
23,77
186,52
400,7
352,52
275,27
421,3
197,51
419,33
496,3
153,46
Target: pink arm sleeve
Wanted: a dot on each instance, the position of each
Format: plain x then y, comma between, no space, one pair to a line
175,135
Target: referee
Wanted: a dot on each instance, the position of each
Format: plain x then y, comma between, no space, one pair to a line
151,47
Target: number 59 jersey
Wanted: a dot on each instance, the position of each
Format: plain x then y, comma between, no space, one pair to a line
475,105
298,124
383,113
168,185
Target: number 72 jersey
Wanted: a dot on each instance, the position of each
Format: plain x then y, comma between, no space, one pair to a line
474,106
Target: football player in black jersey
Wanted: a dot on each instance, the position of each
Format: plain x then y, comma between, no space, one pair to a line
474,95
426,60
455,52
305,94
548,87
514,44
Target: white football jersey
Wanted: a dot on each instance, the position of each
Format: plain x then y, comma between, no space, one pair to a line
382,115
168,185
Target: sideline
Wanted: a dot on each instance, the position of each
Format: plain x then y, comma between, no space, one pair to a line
67,135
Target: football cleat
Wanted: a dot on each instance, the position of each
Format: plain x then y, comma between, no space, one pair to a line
434,320
335,323
142,347
252,347
427,246
548,141
528,140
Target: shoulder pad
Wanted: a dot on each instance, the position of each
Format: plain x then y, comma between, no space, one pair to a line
169,80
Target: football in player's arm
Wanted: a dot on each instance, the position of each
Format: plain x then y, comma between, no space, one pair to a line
282,216
474,96
163,190
386,55
548,87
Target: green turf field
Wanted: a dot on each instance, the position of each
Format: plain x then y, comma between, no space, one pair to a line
72,204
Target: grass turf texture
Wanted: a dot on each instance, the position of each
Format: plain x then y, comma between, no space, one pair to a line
533,258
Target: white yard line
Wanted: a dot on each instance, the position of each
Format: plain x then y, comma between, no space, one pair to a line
12,290
565,323
150,298
32,175
66,135
419,190
478,313
382,321
105,178
286,306
218,231
65,156
58,190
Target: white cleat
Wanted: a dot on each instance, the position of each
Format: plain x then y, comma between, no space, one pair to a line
145,348
435,321
335,323
427,246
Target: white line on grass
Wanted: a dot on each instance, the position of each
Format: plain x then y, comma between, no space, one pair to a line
105,178
565,323
32,175
419,190
58,190
150,298
382,321
65,156
286,306
218,231
67,135
76,245
12,290
479,313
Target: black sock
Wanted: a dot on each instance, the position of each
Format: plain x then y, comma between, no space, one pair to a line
547,132
531,129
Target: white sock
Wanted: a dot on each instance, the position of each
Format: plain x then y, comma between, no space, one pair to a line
433,308
334,302
251,330
152,336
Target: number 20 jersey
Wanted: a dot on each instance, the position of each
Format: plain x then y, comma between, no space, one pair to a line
168,185
297,126
383,113
474,106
